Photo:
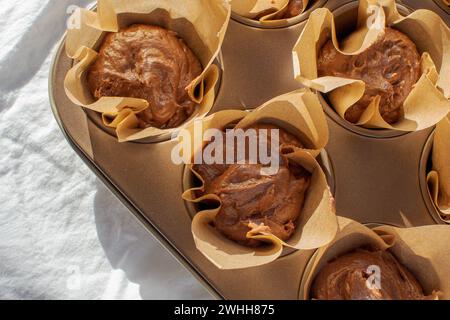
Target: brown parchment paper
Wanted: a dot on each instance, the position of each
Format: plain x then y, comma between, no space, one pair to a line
426,104
201,23
439,178
265,11
423,250
298,111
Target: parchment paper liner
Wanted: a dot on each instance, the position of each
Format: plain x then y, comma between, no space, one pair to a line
426,104
252,9
317,225
423,250
201,23
438,179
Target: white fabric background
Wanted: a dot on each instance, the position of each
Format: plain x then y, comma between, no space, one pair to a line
63,235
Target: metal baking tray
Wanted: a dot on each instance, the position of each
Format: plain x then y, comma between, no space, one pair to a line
376,176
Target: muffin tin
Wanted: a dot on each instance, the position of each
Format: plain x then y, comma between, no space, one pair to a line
375,174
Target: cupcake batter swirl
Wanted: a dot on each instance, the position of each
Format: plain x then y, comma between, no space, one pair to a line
345,279
151,63
390,67
295,7
250,198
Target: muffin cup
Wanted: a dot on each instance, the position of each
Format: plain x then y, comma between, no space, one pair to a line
422,250
249,12
438,179
428,101
345,17
298,112
200,23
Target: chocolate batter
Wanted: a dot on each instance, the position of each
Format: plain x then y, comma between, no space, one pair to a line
389,68
251,198
150,63
295,7
345,279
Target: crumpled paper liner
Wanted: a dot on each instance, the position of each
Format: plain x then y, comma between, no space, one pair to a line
422,250
439,178
426,104
202,25
298,111
253,9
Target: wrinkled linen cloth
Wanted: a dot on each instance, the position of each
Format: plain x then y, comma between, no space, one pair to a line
63,235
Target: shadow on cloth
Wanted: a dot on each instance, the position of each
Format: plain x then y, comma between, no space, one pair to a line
132,249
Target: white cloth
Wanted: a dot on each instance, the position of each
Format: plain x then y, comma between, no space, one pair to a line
63,235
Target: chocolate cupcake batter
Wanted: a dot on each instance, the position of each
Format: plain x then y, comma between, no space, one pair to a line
390,68
250,198
345,279
295,7
151,63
